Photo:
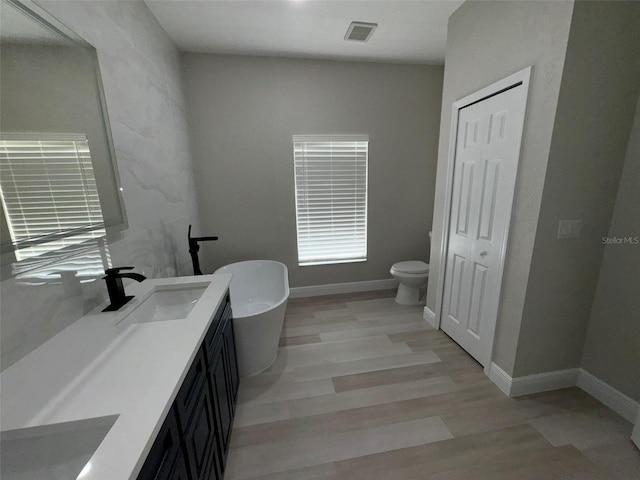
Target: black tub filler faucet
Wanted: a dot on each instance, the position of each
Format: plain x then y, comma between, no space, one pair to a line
194,248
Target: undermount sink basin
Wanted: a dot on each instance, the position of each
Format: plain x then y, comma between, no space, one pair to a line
56,452
167,303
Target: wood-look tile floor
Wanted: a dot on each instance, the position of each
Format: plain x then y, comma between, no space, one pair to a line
364,388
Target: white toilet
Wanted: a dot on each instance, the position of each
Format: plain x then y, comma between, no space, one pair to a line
412,277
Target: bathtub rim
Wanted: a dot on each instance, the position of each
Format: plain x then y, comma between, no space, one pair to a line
286,284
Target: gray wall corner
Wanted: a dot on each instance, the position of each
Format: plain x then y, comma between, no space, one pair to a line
596,106
486,42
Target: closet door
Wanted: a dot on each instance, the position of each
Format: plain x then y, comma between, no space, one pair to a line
487,151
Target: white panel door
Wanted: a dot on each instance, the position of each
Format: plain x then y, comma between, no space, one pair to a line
485,167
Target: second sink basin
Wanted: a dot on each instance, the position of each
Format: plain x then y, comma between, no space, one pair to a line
55,452
167,303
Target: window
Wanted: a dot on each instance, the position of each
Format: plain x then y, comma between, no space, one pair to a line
49,192
331,198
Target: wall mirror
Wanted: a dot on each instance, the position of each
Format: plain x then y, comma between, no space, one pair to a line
58,176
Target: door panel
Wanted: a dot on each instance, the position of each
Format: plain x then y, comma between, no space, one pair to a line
497,124
485,167
456,288
491,180
478,285
464,202
471,133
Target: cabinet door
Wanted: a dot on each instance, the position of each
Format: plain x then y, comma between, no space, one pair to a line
179,470
212,333
187,397
220,389
232,362
163,457
200,439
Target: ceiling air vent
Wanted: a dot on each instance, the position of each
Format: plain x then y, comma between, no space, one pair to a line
360,31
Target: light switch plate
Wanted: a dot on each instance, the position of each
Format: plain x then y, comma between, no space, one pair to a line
569,228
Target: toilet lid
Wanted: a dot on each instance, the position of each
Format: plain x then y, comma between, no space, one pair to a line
415,266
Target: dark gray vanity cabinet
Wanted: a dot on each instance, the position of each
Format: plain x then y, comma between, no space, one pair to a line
194,439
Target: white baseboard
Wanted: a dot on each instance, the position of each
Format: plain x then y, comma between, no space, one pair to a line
540,382
614,399
351,287
430,317
500,378
574,377
544,382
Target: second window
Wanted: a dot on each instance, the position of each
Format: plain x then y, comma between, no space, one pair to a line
331,198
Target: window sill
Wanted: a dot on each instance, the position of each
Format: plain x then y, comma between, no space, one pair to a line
330,262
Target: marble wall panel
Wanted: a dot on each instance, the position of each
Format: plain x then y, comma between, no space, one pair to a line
140,67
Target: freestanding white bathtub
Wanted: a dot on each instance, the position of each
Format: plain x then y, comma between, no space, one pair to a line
259,293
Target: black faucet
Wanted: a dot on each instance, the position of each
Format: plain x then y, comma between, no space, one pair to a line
115,287
194,248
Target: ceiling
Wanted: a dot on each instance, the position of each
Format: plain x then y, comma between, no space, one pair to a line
409,31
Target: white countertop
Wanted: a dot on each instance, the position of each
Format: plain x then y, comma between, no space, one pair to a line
97,367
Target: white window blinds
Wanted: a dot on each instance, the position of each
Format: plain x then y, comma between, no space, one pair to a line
331,198
49,192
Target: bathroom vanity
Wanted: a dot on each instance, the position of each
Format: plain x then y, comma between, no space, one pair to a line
194,439
145,392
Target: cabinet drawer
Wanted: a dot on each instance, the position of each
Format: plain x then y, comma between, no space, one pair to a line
188,394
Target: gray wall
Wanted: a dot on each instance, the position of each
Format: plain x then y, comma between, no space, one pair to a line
596,106
487,41
141,75
581,106
612,348
242,114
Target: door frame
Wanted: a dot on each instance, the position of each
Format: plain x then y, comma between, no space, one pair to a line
635,435
522,77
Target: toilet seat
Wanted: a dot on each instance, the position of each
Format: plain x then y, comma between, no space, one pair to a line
414,267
